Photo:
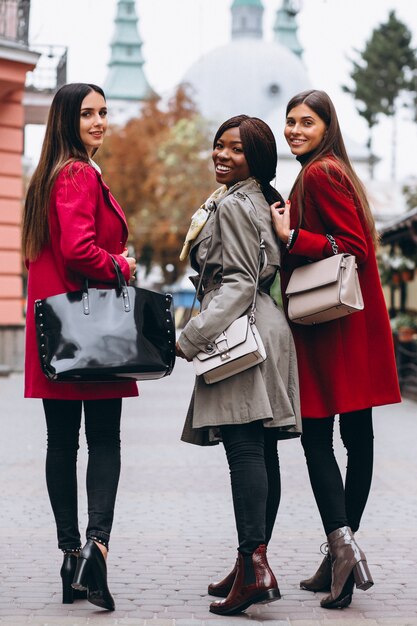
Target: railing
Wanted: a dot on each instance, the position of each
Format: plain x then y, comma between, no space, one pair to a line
14,21
50,72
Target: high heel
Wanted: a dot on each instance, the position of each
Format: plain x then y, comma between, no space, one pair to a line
362,575
222,588
349,567
91,574
67,572
264,589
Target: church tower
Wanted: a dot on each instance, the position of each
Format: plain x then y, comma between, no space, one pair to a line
285,27
247,19
126,86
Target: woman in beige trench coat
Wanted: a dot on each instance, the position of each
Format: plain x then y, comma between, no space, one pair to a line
251,410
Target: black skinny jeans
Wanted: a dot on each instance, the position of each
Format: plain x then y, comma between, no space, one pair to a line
252,454
102,429
340,505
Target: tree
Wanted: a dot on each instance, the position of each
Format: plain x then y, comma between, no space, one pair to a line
383,76
158,165
410,193
367,96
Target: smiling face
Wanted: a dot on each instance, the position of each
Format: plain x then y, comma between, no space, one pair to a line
93,121
304,130
229,160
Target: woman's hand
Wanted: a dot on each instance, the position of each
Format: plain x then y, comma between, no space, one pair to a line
281,220
180,353
132,264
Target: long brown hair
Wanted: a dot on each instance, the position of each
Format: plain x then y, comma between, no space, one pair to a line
332,144
260,150
62,145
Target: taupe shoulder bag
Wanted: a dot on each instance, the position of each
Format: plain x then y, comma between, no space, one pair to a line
324,290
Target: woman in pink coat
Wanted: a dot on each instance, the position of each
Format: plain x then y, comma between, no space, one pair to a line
346,366
72,227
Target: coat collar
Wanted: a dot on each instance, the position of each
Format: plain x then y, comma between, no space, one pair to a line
248,185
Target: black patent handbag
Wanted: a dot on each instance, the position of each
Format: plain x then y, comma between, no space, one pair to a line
103,335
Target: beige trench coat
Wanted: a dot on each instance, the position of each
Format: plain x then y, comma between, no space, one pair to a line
268,391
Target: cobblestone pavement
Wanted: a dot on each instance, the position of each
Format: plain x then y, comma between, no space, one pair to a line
174,530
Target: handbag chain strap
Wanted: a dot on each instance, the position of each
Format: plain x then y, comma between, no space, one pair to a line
200,281
333,244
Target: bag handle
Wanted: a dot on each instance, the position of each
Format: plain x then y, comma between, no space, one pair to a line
121,286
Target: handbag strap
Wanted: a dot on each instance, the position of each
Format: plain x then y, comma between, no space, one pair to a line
252,318
121,285
332,242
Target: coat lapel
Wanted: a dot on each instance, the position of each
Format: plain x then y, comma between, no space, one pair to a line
111,201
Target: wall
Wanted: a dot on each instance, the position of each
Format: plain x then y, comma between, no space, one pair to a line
14,63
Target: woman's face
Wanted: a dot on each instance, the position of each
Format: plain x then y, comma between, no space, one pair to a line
93,121
230,163
304,130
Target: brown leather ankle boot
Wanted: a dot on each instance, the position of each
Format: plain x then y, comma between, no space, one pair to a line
222,588
264,589
349,566
322,579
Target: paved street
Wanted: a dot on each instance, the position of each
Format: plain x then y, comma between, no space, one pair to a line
174,529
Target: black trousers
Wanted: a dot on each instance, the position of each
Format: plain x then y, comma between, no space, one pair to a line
340,505
252,454
102,429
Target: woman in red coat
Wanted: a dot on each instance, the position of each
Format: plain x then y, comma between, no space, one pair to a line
346,366
72,227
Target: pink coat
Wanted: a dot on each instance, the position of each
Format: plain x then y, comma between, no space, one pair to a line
87,228
347,364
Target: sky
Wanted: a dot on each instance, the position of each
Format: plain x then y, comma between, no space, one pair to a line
176,33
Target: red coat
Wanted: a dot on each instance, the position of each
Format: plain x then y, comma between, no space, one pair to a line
347,364
87,226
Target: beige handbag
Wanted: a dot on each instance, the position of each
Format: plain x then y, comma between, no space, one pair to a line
325,290
237,348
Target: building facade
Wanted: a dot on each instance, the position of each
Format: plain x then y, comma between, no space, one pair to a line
15,60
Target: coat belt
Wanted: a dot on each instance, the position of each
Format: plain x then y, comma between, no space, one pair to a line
212,286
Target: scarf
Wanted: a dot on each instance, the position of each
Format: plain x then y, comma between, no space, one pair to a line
199,219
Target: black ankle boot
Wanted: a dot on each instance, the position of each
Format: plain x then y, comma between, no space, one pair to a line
69,565
91,574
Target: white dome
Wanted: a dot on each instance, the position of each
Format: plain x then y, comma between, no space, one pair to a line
248,76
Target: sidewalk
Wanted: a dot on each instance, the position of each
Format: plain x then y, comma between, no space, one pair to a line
174,529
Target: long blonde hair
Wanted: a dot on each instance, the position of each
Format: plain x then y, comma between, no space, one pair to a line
62,145
332,144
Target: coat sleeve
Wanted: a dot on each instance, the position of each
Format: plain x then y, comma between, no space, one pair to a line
239,231
77,198
330,201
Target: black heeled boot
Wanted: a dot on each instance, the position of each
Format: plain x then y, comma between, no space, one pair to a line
91,574
68,568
